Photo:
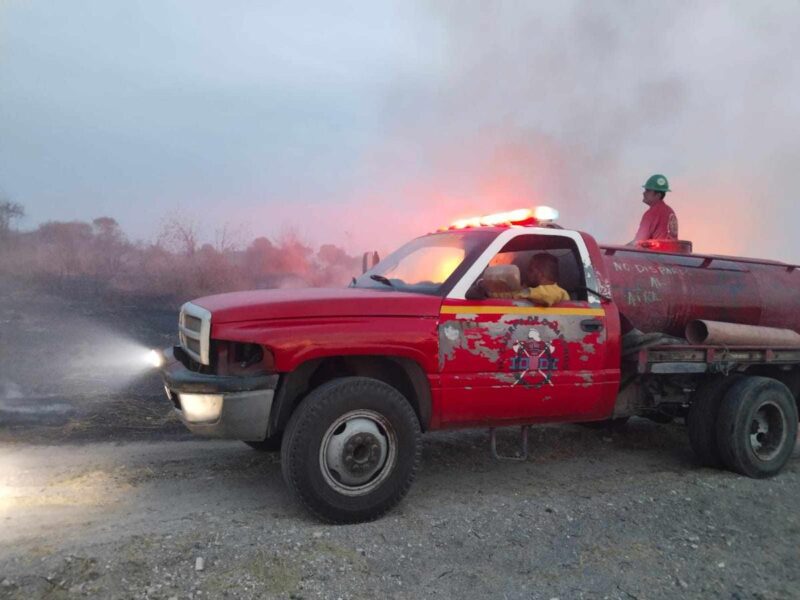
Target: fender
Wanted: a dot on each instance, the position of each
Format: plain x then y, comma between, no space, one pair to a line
402,373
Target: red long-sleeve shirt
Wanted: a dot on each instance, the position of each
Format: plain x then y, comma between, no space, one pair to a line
658,223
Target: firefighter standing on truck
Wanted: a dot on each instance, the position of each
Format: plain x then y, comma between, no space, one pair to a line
659,221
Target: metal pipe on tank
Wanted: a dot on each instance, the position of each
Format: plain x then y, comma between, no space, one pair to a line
717,333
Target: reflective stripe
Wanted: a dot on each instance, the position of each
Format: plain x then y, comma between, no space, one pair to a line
520,310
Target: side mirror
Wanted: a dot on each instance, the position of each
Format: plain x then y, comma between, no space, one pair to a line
369,260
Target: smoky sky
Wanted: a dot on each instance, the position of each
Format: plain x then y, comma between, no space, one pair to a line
365,124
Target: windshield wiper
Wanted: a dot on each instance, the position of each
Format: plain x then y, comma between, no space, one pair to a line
382,279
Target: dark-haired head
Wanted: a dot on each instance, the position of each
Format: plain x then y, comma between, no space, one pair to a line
542,269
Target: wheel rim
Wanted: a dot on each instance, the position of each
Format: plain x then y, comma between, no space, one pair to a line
358,452
767,431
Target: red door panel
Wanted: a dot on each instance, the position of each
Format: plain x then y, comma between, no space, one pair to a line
504,361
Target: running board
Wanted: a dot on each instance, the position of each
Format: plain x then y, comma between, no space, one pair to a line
523,439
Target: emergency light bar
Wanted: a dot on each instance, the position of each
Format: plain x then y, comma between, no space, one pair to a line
545,214
521,216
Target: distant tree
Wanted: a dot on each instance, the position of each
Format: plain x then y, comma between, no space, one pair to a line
228,239
107,229
65,233
67,247
109,246
179,235
212,272
154,270
261,259
8,212
294,255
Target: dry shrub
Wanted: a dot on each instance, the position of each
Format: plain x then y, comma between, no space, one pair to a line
90,258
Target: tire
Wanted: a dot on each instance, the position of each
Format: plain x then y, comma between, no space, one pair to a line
351,450
702,418
271,444
757,427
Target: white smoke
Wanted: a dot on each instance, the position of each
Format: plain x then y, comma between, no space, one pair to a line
9,391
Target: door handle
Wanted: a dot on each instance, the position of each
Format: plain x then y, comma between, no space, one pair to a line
591,325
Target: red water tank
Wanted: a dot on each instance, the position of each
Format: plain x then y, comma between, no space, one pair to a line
663,291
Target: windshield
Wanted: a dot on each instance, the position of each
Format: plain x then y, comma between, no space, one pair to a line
427,265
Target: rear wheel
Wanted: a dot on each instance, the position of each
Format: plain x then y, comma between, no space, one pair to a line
702,418
351,449
757,427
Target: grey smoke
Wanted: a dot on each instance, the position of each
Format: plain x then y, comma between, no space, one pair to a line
577,103
366,127
9,391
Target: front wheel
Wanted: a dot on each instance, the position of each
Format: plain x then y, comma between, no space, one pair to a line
757,427
351,449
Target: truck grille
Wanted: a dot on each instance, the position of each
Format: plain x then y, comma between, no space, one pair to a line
194,332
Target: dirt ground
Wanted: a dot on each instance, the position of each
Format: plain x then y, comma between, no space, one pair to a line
104,495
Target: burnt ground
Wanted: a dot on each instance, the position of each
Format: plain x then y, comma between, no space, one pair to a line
71,369
104,495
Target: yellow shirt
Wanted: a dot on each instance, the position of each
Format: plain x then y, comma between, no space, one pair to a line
541,294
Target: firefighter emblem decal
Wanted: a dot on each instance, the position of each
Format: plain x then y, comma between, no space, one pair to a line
533,361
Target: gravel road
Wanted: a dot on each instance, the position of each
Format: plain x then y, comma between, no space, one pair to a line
590,516
103,495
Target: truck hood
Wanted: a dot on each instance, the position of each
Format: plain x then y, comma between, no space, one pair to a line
317,302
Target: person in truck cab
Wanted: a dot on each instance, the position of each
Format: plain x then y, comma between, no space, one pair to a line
659,221
542,277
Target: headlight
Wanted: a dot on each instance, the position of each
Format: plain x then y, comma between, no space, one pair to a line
155,359
201,408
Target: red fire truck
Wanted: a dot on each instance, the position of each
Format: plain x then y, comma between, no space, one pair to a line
343,382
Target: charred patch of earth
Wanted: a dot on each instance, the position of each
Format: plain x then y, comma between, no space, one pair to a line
126,418
72,367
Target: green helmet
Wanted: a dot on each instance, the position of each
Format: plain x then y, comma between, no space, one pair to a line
657,183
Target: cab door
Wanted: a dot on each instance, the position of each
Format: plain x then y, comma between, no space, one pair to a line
508,361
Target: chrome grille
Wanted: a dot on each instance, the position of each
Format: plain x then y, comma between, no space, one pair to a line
194,332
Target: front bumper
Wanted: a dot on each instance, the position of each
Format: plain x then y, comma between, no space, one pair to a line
222,406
